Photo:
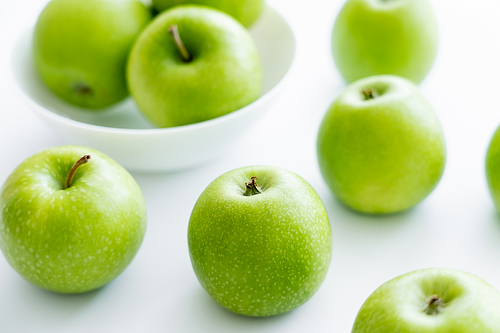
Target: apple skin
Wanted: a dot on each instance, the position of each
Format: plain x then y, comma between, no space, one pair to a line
375,37
385,154
76,239
245,11
224,74
80,48
264,254
493,168
470,304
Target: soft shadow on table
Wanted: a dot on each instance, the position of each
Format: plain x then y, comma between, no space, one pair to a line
363,217
495,221
50,304
345,214
161,173
210,316
360,230
181,181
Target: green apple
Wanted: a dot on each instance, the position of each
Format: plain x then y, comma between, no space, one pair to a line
67,225
192,64
380,147
80,48
374,37
245,11
493,168
260,240
434,300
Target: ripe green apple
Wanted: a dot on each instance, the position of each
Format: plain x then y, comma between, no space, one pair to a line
259,240
192,64
67,225
374,37
80,48
245,11
380,147
493,168
434,300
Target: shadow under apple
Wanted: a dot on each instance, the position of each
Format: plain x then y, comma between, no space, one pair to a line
52,305
211,315
355,231
336,208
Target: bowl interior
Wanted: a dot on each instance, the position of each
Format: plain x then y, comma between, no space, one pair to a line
272,35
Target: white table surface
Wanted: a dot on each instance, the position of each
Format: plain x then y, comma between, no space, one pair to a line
456,226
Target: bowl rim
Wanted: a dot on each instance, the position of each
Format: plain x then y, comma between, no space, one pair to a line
151,131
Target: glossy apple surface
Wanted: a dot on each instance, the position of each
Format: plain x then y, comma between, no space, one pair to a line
223,73
375,37
70,239
260,247
383,153
434,300
245,11
80,48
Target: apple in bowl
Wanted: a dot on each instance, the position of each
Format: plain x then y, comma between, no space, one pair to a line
245,11
124,134
192,64
80,48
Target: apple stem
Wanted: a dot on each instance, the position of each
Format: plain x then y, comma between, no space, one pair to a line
434,305
83,89
174,32
84,159
370,93
252,188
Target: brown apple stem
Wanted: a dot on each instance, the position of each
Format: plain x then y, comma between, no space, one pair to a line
370,93
84,159
82,89
434,305
252,188
174,32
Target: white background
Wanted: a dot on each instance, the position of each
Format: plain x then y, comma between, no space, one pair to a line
456,226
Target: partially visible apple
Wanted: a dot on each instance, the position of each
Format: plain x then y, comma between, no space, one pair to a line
70,227
245,11
192,64
260,240
493,168
434,300
80,48
374,37
380,146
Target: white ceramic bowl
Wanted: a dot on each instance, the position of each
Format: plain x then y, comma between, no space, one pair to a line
123,133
